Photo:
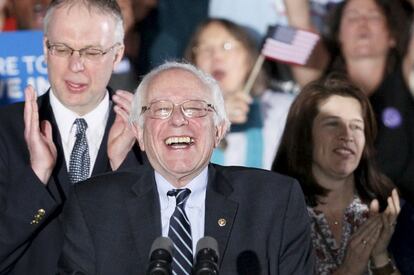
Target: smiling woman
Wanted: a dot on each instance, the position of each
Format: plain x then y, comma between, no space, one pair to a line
328,146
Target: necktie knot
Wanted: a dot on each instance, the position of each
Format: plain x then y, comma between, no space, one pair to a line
181,195
81,126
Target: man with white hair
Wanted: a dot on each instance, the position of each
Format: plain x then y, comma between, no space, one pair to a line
258,217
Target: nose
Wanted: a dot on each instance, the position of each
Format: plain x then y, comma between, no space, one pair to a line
76,62
177,117
363,20
216,53
346,134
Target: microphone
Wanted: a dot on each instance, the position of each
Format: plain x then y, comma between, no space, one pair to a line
207,257
160,257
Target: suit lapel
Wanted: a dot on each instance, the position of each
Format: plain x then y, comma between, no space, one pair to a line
220,210
102,161
144,214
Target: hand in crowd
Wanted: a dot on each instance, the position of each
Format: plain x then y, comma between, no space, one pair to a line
237,107
38,138
360,247
371,239
121,137
379,253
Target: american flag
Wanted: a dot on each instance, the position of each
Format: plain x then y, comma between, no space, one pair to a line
288,44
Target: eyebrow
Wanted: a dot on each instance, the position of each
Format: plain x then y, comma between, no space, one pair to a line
327,116
84,47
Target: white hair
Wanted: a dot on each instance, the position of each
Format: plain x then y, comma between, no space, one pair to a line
220,115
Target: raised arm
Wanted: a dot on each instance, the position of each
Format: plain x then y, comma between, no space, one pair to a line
298,13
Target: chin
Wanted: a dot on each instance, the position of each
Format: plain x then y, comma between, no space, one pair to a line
180,168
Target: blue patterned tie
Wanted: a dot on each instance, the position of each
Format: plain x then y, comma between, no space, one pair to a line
79,159
180,233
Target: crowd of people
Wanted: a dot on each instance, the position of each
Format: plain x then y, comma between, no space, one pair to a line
125,146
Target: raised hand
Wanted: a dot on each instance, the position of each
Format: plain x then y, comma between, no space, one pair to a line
121,137
237,107
388,217
360,247
38,138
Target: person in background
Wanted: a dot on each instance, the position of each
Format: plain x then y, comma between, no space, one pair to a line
228,52
258,218
49,144
124,75
328,146
368,41
7,21
29,13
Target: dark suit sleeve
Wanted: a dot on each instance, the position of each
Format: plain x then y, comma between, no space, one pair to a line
78,254
296,255
26,205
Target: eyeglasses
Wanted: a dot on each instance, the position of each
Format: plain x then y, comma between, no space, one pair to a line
90,53
208,50
163,109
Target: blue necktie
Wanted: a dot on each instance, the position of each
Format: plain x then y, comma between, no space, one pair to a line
79,159
180,233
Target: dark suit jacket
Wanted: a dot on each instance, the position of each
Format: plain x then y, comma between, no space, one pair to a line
27,247
110,222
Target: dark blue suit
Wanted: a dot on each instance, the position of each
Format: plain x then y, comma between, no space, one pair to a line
110,222
31,244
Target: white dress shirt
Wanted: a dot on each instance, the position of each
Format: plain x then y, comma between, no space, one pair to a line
96,120
194,206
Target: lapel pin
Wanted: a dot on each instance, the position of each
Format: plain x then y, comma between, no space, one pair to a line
222,222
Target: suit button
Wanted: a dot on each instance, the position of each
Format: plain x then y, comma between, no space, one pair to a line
41,212
38,216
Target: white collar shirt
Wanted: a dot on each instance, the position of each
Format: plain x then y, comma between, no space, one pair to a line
194,206
96,120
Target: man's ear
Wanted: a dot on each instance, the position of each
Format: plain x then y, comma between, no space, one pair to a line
118,55
138,133
221,131
45,49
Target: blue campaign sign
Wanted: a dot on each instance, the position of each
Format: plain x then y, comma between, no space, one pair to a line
21,63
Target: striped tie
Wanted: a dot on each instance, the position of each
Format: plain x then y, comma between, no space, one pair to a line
79,159
180,233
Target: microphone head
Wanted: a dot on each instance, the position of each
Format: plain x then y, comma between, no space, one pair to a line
209,243
161,243
207,257
160,257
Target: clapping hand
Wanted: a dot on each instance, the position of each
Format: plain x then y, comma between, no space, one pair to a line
121,137
360,247
379,254
42,150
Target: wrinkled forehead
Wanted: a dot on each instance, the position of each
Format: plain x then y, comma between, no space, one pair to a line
177,85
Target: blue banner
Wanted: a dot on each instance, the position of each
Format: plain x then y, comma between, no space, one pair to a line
21,63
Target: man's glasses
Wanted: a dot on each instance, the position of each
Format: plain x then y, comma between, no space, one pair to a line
90,53
163,109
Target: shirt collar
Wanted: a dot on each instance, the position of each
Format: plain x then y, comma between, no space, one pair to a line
65,117
197,186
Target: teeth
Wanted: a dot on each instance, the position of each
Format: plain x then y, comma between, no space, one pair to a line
178,140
